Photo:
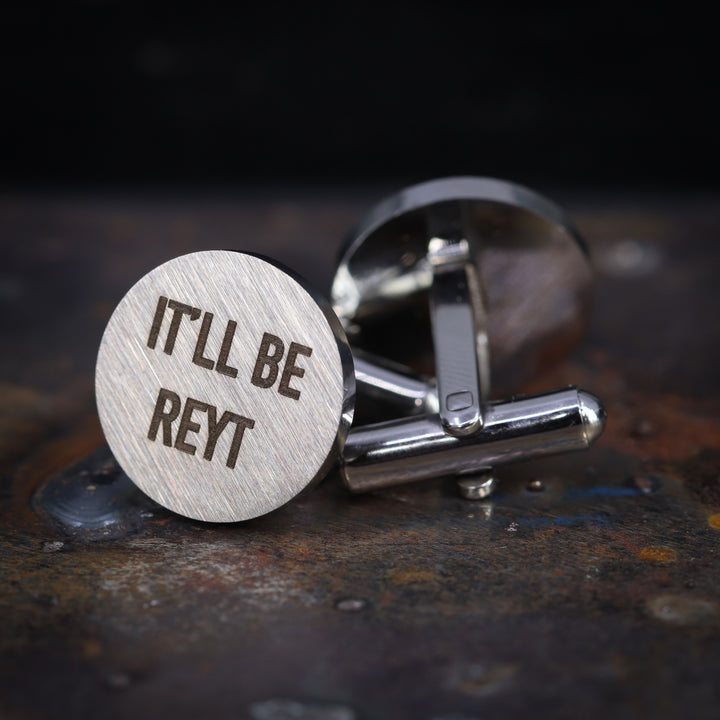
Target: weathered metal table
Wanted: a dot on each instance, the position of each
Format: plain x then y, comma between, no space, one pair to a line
596,596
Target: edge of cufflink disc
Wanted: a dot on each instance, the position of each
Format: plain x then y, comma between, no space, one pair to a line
224,386
532,264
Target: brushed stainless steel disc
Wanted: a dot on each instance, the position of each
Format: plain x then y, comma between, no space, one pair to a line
532,267
224,387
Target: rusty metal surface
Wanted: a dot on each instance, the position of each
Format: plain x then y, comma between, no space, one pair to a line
589,586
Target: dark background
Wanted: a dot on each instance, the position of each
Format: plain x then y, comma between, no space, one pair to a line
109,92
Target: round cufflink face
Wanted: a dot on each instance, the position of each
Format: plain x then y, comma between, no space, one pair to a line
533,271
224,387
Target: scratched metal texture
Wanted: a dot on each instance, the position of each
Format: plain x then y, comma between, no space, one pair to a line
589,586
292,440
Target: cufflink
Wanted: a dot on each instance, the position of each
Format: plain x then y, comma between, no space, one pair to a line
226,386
465,278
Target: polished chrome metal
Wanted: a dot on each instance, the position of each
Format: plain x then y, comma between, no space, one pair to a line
477,487
454,296
224,386
395,388
410,449
530,261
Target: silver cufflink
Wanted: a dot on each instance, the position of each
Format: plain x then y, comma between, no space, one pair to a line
467,279
226,387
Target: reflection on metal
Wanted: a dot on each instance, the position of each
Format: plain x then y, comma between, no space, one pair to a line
410,449
393,388
459,336
532,269
478,486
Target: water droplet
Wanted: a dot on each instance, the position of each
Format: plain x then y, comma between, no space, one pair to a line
53,546
646,484
351,604
682,609
536,486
